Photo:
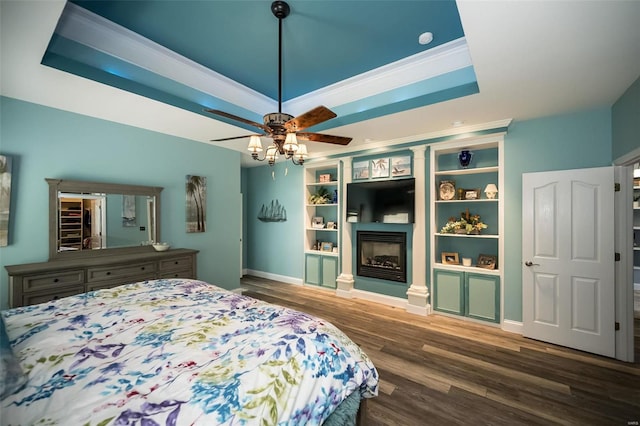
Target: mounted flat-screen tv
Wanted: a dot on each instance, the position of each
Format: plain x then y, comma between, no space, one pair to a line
383,201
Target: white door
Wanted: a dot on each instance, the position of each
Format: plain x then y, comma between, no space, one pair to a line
568,285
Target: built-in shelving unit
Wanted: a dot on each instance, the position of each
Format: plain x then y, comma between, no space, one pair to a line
322,220
471,290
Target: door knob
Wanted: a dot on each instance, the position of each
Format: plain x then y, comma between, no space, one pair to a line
529,263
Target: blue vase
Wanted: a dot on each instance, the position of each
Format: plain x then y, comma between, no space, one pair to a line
465,157
335,197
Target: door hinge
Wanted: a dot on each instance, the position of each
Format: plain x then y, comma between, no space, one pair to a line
617,327
616,187
617,257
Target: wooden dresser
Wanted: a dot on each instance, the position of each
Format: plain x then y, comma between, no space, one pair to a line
33,283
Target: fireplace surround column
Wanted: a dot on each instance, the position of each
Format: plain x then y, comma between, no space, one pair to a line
345,279
418,293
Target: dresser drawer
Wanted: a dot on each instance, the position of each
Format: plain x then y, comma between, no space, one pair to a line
52,280
99,285
124,272
179,263
178,273
42,297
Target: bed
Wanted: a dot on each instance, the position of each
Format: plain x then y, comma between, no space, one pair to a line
178,352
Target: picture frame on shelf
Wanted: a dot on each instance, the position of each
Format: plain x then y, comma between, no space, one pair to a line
487,261
401,166
331,225
325,177
471,194
360,170
380,168
447,190
450,258
317,222
326,246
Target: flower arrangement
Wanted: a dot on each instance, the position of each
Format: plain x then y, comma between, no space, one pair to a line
467,224
321,196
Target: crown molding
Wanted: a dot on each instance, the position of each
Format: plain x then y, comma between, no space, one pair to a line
382,146
422,66
85,27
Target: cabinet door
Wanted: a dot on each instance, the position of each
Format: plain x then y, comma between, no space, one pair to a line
483,297
448,291
312,269
329,271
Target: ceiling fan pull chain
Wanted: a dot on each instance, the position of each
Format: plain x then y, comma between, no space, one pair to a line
273,175
286,171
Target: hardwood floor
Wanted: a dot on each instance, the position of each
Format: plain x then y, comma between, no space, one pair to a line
437,370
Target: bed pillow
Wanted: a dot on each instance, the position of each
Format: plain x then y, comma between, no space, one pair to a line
12,379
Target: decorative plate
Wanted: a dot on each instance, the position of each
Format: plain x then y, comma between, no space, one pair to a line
447,190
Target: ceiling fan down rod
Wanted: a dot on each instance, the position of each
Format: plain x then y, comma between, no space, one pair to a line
280,10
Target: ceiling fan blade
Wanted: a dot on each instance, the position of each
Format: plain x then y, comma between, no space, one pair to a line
319,137
235,137
240,119
310,118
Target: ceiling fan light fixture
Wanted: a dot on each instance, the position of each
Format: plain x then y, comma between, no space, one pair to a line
272,154
290,144
255,145
301,154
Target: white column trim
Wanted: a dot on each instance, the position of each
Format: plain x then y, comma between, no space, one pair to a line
418,293
345,281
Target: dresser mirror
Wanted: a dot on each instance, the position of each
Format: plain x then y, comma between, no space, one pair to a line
88,219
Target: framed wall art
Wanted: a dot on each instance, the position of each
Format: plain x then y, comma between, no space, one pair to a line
401,166
196,203
380,168
361,170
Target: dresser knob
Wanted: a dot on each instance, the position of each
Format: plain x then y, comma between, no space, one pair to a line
108,273
55,280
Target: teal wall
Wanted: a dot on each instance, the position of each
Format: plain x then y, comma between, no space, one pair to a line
626,121
45,142
275,247
571,141
244,181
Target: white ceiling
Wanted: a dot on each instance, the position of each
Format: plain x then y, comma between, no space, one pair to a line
532,59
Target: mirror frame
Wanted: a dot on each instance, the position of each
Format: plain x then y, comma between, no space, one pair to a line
75,186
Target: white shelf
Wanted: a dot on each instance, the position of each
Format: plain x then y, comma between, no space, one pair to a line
321,253
459,172
444,266
494,236
481,200
330,183
322,229
322,205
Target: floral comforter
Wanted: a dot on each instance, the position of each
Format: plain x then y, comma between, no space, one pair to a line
178,352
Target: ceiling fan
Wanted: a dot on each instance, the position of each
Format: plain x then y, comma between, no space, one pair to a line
284,128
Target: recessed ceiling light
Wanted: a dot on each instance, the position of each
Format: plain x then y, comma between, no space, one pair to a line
457,123
425,38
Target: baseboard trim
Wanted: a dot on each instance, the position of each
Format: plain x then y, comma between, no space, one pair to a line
283,278
512,326
380,298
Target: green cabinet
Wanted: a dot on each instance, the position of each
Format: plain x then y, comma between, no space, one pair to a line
470,294
321,270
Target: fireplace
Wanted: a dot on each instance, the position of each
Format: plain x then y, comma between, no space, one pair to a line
382,255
